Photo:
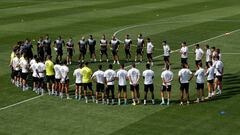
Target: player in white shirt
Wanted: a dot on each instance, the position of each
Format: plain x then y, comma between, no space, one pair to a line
148,76
219,54
199,74
16,69
184,53
214,53
110,76
35,76
210,80
167,77
198,54
208,55
24,73
184,76
134,76
78,82
98,76
41,75
64,79
166,53
127,47
218,65
122,84
149,51
32,61
57,72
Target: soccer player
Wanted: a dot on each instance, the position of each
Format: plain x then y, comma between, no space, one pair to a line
34,67
167,77
13,54
184,76
57,72
70,50
114,47
214,53
86,73
166,53
208,55
198,55
219,54
127,47
110,76
78,82
16,69
140,46
103,47
59,43
40,48
184,53
32,61
64,79
47,46
24,72
92,44
218,65
149,51
134,76
83,49
122,84
210,80
50,78
200,83
148,76
28,48
41,74
99,77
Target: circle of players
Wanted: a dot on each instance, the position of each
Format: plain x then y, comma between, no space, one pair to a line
42,69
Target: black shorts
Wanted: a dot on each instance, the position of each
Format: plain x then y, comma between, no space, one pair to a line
24,76
16,73
210,81
127,52
149,55
41,79
184,86
136,87
208,63
57,80
166,58
164,88
59,52
92,50
100,87
122,88
114,52
139,51
200,86
198,61
79,84
87,85
110,88
219,78
48,52
83,51
50,79
104,52
184,60
70,52
148,87
35,79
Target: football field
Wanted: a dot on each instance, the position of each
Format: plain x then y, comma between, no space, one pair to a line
212,22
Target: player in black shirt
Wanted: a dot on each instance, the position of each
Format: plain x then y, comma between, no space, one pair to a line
40,48
92,44
114,47
103,47
47,46
83,49
127,46
59,43
70,50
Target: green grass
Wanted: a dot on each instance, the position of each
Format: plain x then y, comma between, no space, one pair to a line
172,20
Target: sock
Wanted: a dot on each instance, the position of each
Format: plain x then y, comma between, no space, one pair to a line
119,101
112,101
168,100
163,99
125,101
144,101
153,102
107,101
93,98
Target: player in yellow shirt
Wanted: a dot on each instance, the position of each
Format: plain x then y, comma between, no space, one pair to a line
86,73
50,78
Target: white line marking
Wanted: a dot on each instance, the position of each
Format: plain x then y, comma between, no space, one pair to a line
21,102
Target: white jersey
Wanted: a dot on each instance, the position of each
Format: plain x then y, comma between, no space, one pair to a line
32,62
41,68
57,71
184,52
77,74
64,72
214,54
208,55
210,73
149,47
218,65
99,76
122,77
110,76
24,66
199,54
167,76
15,64
200,75
148,76
134,76
34,68
184,75
166,50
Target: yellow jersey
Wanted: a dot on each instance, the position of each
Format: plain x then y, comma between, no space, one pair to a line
86,73
49,68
